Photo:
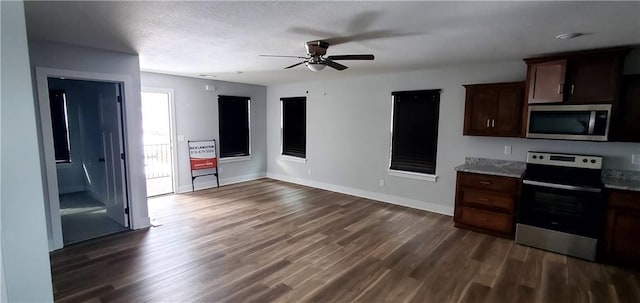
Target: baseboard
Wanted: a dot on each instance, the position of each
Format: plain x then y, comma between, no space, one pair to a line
140,223
70,189
223,181
411,203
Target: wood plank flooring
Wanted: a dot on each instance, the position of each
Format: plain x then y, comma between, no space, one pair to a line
270,241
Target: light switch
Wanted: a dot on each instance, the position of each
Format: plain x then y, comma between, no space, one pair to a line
635,159
180,138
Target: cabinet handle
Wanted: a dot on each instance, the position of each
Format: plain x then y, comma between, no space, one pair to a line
559,88
488,123
483,199
493,122
485,182
573,86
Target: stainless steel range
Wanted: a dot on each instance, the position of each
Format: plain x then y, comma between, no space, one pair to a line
562,204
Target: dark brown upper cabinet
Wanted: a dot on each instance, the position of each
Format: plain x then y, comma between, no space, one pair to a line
625,122
592,76
547,81
494,109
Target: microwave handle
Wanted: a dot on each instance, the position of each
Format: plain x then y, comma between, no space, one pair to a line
592,122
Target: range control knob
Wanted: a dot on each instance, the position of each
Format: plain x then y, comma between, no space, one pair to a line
585,160
535,157
593,160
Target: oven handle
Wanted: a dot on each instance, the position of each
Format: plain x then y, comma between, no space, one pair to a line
562,186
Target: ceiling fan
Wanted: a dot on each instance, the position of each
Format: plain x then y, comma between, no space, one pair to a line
316,60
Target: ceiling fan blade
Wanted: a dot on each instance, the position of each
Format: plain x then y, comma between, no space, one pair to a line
335,65
278,56
351,57
288,67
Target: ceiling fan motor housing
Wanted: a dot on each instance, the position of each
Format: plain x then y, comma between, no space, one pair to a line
316,48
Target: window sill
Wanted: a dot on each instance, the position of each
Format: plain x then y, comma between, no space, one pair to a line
412,175
293,159
235,159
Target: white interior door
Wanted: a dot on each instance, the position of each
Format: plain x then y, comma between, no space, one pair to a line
110,127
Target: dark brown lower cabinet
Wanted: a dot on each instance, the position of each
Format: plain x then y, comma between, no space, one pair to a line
622,229
486,203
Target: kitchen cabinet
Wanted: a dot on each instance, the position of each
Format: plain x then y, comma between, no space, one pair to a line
621,229
486,203
546,80
494,109
625,125
592,76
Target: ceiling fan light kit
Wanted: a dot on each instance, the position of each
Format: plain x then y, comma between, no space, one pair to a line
316,67
316,60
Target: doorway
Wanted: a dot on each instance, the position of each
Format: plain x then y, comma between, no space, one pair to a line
158,136
86,124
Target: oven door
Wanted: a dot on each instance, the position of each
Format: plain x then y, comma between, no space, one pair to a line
563,208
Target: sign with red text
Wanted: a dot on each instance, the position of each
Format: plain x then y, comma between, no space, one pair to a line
202,155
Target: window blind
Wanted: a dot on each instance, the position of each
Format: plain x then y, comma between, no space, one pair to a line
415,131
294,131
233,122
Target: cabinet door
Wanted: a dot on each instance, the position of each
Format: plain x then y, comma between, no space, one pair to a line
625,122
546,81
593,79
480,107
622,246
508,118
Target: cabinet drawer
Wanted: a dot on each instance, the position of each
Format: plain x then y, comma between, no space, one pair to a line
497,183
487,198
486,219
625,199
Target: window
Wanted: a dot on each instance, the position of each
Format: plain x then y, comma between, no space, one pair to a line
233,121
60,125
294,128
415,131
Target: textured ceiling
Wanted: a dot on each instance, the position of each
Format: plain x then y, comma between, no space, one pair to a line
225,39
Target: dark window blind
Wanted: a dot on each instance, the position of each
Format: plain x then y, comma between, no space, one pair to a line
294,126
415,131
233,121
58,106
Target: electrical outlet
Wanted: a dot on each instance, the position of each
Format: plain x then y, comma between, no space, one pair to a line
220,169
309,171
635,159
507,149
381,182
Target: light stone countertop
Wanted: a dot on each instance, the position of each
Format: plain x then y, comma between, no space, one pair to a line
621,179
494,167
612,178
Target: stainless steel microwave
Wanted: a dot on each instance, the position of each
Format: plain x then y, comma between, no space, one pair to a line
569,122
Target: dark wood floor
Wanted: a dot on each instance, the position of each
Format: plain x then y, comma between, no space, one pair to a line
266,240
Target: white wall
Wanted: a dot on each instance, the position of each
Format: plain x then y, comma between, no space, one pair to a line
25,257
348,134
197,119
91,142
70,175
81,59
